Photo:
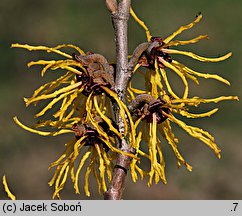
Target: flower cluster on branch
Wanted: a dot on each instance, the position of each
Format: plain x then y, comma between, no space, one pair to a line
86,95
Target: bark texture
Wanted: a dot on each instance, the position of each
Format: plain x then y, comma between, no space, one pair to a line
120,15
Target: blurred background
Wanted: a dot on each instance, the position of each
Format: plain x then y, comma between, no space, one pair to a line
25,157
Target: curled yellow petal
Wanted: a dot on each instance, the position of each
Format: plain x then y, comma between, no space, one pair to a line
137,67
68,103
203,75
53,102
101,168
108,164
137,91
153,140
91,119
62,64
6,188
42,62
157,170
53,179
183,28
82,162
169,89
141,23
90,168
113,149
70,46
195,101
198,133
121,107
173,143
197,57
154,89
178,42
57,161
62,184
86,184
50,86
42,133
133,165
52,95
58,187
141,172
157,78
106,119
98,181
133,172
71,69
77,147
49,49
200,115
43,48
183,78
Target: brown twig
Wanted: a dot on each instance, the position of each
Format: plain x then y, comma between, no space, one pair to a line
120,15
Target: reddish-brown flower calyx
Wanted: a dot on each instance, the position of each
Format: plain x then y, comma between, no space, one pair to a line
98,73
145,105
148,57
89,130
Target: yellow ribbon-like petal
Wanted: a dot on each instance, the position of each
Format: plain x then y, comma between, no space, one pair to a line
50,86
197,57
101,168
169,89
192,115
173,143
141,23
53,102
43,48
203,75
6,188
82,162
42,133
49,49
179,42
86,184
183,78
52,95
183,28
106,119
198,133
195,101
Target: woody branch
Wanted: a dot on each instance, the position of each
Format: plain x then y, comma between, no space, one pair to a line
120,15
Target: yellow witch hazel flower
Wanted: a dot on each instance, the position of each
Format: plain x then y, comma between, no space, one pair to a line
157,106
83,94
